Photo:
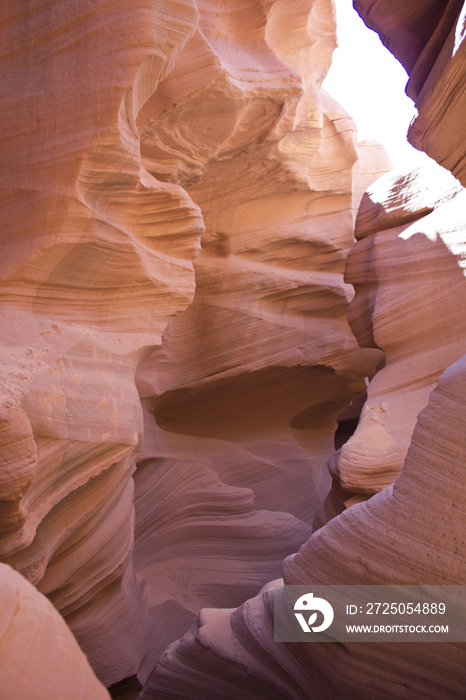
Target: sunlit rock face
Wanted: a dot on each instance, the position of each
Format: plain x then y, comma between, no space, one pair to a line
242,398
407,268
130,129
410,532
428,37
40,658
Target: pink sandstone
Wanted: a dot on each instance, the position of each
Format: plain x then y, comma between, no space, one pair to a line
169,403
40,658
131,132
410,532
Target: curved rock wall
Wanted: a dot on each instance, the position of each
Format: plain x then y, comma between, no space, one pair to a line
29,624
250,379
424,227
417,219
371,543
130,130
408,271
88,285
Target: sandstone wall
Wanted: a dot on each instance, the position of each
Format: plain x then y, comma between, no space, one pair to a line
410,532
169,403
129,130
40,658
88,285
408,270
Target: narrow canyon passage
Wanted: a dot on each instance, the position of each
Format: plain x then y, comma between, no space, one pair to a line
232,350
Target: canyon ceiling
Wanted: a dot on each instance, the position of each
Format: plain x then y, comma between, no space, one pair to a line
232,347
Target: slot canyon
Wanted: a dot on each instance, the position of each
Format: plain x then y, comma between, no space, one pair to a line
232,348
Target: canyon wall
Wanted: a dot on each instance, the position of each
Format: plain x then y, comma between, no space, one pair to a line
187,319
40,658
130,130
407,267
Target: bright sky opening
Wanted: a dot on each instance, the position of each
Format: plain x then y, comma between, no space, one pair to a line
370,84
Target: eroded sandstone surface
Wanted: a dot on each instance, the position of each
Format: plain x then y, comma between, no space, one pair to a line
186,320
129,131
408,261
40,658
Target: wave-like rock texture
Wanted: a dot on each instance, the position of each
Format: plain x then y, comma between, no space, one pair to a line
129,129
371,543
88,284
417,219
428,37
408,533
250,379
40,658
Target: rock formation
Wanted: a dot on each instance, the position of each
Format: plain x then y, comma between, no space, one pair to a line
89,281
29,624
407,309
186,321
370,543
128,132
417,219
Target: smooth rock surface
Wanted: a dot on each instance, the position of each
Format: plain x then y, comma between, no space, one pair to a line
408,534
250,379
413,310
129,130
165,425
88,284
40,659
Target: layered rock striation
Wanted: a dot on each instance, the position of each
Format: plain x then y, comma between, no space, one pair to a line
416,219
88,285
186,320
129,130
242,398
371,543
408,270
